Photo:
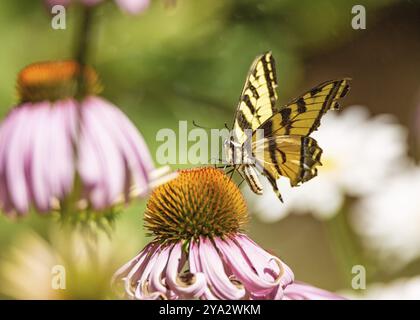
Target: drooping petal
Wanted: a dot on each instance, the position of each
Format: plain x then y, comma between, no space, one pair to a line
16,159
138,155
133,6
7,130
36,156
128,6
193,288
132,272
60,169
156,279
135,274
303,291
52,3
144,277
259,257
97,149
258,276
211,264
145,290
39,155
131,146
122,272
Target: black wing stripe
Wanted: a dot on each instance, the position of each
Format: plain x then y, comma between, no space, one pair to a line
268,79
248,103
326,104
242,121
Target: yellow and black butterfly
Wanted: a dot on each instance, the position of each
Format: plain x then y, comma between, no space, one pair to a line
272,140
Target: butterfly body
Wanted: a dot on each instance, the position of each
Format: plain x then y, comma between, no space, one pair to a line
242,161
274,141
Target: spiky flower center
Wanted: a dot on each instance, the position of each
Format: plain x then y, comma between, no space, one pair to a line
57,80
199,202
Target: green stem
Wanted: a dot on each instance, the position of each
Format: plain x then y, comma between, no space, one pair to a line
343,245
83,43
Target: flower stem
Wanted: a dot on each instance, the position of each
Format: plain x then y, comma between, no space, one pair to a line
343,245
83,43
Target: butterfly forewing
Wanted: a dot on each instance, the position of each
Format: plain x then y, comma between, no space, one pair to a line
258,99
303,115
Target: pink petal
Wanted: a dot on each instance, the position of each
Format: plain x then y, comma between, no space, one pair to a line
133,6
97,149
40,157
138,157
267,265
129,6
248,271
52,3
156,282
17,157
132,272
143,290
303,291
6,131
60,169
175,264
211,264
129,142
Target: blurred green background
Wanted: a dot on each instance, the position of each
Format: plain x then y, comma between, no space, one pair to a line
188,62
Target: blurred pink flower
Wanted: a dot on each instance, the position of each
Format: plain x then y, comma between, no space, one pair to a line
129,6
231,268
53,147
303,291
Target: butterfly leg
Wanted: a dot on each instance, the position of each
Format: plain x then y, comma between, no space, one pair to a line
275,188
233,171
249,173
216,164
242,181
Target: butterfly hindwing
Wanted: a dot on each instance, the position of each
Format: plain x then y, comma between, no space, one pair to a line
257,102
287,149
294,157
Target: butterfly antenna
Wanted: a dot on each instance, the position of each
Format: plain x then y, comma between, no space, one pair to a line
198,126
226,126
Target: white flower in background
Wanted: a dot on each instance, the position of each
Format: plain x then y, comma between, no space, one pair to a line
400,289
358,154
25,270
389,220
27,267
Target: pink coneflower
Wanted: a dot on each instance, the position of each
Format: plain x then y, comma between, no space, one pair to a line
200,249
129,6
57,152
303,291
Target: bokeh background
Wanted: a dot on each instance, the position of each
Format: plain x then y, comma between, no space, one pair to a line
187,60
